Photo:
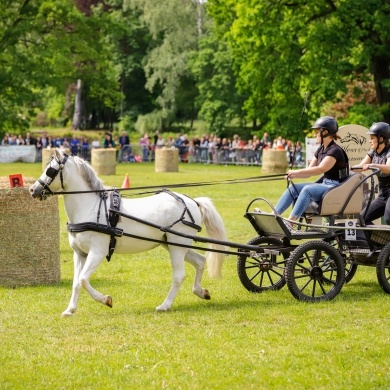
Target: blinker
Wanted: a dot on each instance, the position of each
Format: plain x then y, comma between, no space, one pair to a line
51,172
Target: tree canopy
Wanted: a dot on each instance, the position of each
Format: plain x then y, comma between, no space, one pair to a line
249,61
284,49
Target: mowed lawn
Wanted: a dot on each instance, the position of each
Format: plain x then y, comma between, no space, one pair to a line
238,340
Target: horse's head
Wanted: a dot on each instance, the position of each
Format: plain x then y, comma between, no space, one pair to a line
50,181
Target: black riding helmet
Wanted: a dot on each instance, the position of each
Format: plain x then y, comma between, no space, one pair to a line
381,130
326,123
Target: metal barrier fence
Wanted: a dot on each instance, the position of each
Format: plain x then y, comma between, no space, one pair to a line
136,153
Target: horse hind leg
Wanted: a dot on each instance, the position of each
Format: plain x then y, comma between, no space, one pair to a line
198,262
178,275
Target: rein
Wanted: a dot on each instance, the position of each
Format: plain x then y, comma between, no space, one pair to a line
253,179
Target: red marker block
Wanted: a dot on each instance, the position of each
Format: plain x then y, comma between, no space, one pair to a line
16,180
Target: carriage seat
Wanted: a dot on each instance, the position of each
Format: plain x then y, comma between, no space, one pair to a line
334,199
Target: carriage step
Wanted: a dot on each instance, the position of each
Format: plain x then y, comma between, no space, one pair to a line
359,251
310,231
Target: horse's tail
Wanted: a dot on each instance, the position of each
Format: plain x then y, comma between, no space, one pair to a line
215,229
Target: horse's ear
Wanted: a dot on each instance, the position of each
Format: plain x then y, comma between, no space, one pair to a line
57,154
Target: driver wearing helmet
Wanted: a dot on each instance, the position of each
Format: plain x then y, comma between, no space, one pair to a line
379,157
329,160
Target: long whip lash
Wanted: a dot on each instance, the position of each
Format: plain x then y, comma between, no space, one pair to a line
300,129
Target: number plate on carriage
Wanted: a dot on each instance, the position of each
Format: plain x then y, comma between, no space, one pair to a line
350,231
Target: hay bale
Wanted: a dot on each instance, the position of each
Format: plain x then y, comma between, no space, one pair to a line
167,160
274,161
30,237
47,154
103,161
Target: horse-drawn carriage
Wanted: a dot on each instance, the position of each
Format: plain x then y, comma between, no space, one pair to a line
315,270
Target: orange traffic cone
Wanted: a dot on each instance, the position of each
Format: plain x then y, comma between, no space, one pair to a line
126,182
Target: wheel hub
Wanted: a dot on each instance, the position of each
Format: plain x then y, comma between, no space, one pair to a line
265,266
316,272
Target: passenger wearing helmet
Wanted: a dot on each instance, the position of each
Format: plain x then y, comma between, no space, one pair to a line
329,160
379,157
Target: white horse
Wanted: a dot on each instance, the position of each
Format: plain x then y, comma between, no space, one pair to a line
72,174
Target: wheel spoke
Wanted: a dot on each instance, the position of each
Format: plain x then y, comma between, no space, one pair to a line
306,284
314,288
256,274
308,258
270,277
252,266
330,281
322,286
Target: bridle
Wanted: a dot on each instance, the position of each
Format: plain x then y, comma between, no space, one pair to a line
51,174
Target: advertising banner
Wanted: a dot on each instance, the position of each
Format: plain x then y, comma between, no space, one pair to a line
355,142
15,153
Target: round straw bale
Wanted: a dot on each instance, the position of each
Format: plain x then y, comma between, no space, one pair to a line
47,154
30,237
103,161
167,160
274,161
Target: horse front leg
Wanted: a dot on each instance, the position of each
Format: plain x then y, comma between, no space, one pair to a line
198,262
82,274
178,275
78,264
93,261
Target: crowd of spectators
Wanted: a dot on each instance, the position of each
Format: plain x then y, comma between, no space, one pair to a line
206,149
211,149
77,146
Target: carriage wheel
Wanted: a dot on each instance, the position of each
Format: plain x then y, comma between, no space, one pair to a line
350,271
315,272
350,267
383,268
259,272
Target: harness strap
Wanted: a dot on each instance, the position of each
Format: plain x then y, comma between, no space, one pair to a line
113,219
95,227
186,210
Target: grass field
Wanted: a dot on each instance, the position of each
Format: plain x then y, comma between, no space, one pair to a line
238,340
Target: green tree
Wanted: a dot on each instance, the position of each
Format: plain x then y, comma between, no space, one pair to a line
175,27
283,49
218,101
50,43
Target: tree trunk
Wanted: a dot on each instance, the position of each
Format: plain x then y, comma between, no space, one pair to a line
76,123
381,70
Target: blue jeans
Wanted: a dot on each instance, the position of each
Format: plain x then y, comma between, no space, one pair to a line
306,192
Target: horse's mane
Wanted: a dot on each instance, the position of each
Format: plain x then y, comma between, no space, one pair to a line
88,174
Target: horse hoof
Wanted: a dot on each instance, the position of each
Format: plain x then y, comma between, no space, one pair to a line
108,301
66,314
206,295
162,309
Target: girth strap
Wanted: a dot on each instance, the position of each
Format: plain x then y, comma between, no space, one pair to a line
113,219
95,227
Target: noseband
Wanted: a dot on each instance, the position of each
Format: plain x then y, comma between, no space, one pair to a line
52,173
